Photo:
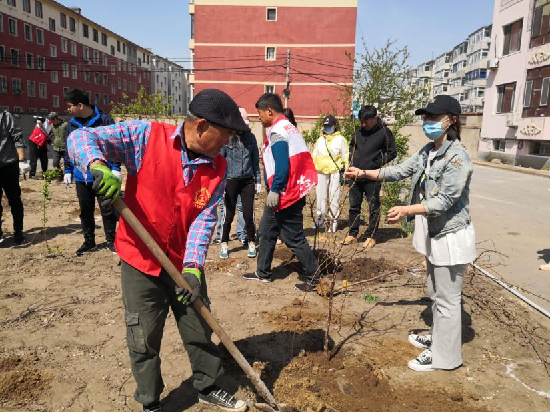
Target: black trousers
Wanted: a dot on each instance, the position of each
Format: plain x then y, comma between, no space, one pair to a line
57,156
38,153
289,224
9,184
234,188
86,199
371,190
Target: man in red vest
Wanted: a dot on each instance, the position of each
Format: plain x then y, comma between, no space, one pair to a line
176,177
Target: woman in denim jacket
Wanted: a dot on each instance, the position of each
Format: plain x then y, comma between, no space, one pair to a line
439,204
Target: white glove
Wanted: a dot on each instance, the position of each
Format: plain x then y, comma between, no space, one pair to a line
272,200
117,174
67,179
24,168
258,187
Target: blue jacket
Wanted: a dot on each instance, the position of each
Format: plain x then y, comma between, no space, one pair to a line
447,186
98,119
243,160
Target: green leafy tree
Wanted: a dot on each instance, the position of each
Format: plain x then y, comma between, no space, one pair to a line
151,106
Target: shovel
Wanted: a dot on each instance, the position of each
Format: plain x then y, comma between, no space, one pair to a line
131,219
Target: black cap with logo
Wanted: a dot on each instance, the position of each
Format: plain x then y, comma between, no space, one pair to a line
442,104
329,120
218,108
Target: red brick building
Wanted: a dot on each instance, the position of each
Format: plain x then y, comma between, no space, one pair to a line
47,49
240,46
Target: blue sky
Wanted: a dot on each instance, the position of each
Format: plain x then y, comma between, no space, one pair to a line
427,27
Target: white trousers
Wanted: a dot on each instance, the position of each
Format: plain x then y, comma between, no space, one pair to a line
445,290
328,196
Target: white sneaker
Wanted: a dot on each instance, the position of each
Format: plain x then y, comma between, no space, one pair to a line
251,250
224,250
423,363
420,341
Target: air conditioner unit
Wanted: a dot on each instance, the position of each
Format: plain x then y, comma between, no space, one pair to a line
493,64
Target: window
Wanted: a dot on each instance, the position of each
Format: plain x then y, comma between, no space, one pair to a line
96,57
64,45
95,35
123,48
119,83
540,148
118,45
73,49
52,24
505,102
42,91
39,36
3,84
124,85
270,53
97,98
55,101
14,57
544,91
106,100
2,54
53,50
65,91
28,32
104,39
269,88
271,14
12,27
75,72
499,145
38,9
85,30
16,86
113,89
105,80
527,96
63,20
512,37
87,76
112,50
97,78
540,32
192,26
105,61
27,6
72,24
41,63
31,88
65,67
55,76
86,54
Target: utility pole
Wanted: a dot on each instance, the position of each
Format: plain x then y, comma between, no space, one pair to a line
286,91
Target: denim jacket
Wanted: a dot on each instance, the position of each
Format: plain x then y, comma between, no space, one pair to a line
447,186
243,158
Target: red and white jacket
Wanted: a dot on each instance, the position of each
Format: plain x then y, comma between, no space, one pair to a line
302,175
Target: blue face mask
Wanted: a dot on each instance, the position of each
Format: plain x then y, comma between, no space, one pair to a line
433,130
329,129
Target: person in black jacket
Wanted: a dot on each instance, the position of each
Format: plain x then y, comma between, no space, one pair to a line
12,163
372,146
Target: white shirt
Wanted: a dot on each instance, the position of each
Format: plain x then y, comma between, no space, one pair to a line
456,248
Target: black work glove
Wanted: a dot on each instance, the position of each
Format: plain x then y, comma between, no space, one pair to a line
193,278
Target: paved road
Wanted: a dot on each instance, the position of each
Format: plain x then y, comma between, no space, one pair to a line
512,210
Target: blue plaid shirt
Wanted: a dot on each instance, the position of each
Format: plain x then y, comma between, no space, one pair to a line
126,142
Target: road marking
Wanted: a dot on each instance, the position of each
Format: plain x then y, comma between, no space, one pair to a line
493,199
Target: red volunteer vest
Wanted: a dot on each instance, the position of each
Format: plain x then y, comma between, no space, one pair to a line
162,203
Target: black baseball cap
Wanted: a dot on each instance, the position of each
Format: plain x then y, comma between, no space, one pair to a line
329,120
53,115
442,104
218,108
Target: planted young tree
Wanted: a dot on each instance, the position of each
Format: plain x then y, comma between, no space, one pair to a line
150,106
49,177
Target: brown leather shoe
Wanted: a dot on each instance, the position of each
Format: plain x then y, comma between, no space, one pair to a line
369,243
349,240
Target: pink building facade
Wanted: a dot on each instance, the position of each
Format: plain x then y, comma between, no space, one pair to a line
516,114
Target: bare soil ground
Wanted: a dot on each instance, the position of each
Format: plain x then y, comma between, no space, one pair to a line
62,333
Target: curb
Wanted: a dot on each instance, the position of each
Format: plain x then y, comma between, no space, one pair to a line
525,170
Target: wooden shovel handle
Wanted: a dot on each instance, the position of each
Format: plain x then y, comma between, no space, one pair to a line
174,273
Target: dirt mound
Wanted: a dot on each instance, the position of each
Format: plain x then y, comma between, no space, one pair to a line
365,268
21,382
311,383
